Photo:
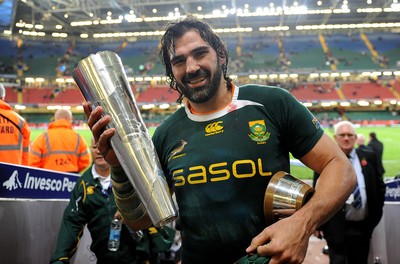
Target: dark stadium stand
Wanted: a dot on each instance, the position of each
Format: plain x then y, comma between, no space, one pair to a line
305,52
258,54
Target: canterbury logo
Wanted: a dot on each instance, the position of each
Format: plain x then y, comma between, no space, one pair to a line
214,128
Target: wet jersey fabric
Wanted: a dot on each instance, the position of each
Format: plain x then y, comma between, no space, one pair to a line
15,136
219,166
60,148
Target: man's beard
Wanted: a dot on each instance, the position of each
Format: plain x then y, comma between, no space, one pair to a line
203,93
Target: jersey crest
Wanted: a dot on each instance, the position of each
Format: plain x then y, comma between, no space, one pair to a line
90,190
258,131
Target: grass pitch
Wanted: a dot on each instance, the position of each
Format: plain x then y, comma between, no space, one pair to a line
390,137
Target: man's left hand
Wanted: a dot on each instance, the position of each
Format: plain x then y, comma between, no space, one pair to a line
286,241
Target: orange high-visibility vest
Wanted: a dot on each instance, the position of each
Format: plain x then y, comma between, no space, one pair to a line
60,148
14,136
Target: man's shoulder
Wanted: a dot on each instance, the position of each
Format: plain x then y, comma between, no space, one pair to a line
262,89
87,176
256,92
4,105
8,112
171,120
364,147
367,154
365,151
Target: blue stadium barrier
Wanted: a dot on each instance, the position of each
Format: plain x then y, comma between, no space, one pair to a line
32,203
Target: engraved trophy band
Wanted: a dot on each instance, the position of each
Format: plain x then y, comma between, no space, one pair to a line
285,195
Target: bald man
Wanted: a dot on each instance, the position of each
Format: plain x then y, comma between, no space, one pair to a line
63,114
60,148
361,142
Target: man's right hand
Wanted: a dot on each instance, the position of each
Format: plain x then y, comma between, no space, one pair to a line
97,123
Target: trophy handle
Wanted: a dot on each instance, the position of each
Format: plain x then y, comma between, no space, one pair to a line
285,195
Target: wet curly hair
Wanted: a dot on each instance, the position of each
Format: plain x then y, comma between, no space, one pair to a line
177,29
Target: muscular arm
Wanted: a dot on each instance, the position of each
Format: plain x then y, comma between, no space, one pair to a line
335,183
287,240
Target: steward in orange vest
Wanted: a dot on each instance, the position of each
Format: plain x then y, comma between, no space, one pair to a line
14,134
60,148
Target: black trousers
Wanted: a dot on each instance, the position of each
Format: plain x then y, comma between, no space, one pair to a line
348,242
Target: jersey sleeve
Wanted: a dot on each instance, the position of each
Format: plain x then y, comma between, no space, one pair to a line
300,129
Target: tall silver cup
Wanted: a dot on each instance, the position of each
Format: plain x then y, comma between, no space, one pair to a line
102,81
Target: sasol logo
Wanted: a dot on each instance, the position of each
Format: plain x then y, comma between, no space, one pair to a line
214,128
37,183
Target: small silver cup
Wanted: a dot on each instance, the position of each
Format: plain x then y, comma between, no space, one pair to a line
102,81
285,195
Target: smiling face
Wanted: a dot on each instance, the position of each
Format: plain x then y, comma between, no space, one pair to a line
196,67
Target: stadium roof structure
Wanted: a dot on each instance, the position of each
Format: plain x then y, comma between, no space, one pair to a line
134,19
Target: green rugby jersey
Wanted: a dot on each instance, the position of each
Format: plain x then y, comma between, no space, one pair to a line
219,166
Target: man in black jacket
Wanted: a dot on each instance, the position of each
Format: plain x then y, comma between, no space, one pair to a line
349,231
377,147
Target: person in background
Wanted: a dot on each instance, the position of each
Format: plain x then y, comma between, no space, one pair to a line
219,151
14,133
60,148
91,204
349,231
361,142
377,146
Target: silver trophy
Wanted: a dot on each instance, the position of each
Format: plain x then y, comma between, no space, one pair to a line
102,81
285,194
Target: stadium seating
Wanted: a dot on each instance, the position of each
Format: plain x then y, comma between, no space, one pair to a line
37,95
316,92
11,95
69,96
258,53
157,94
366,91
